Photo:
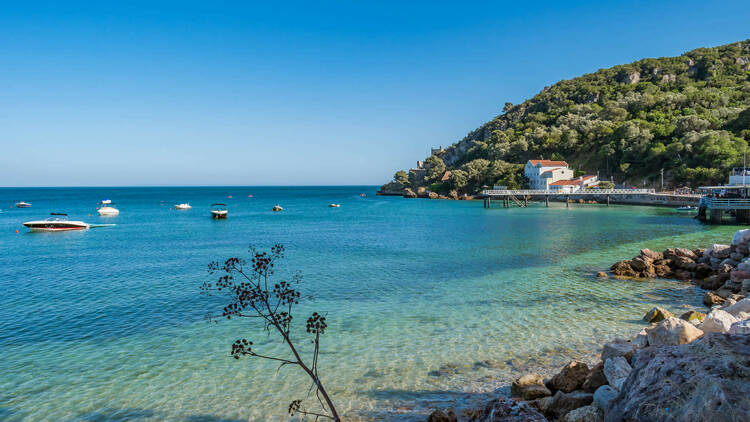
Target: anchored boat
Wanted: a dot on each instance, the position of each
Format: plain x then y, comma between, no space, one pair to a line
23,205
277,207
184,206
334,205
55,223
219,211
108,209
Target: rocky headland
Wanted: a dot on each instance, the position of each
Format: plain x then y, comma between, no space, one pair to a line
692,367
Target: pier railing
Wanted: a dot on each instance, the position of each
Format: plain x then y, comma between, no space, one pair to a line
592,192
726,203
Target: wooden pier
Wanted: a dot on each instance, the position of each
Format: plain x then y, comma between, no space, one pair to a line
522,197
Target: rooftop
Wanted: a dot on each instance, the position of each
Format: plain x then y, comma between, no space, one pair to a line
548,163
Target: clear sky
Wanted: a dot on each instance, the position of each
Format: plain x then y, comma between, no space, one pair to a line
281,93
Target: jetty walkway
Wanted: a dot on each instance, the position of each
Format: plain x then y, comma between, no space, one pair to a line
522,197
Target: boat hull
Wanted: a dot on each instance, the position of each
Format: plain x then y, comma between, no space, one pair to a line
46,226
219,214
108,211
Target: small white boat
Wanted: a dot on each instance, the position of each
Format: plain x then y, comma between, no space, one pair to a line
108,210
219,211
56,223
106,201
334,205
184,206
23,205
687,208
277,207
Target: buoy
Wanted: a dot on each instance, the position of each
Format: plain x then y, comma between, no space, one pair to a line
229,196
16,230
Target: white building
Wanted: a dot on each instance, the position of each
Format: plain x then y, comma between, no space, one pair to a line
542,173
580,183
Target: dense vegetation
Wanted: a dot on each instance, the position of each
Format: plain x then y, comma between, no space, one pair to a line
688,115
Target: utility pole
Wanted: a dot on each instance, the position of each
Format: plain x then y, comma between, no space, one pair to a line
662,179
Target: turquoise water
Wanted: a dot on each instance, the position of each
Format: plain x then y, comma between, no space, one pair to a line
429,303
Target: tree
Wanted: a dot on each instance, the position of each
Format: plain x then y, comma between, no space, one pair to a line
459,179
401,177
253,295
435,167
604,184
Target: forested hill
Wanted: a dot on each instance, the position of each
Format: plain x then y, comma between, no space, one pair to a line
689,115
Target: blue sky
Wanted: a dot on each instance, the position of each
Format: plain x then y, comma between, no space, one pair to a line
242,93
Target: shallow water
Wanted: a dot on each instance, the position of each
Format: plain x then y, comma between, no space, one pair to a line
429,303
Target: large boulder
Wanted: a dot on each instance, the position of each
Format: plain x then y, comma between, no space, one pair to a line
742,306
672,332
529,387
718,251
711,299
508,410
653,255
570,378
673,253
595,379
657,314
741,236
717,321
684,263
561,403
408,193
642,264
588,413
618,348
693,317
603,396
623,268
702,270
616,370
705,380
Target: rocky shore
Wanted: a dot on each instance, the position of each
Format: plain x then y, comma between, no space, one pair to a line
695,367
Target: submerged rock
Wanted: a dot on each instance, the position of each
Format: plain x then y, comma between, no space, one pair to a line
711,299
693,317
529,387
570,378
672,332
706,380
657,314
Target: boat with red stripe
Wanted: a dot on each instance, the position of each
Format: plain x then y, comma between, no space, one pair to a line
55,223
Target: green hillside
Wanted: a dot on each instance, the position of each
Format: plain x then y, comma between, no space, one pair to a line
689,115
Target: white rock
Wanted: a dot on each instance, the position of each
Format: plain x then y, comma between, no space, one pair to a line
740,327
741,236
743,316
641,339
719,251
615,369
717,321
672,332
741,306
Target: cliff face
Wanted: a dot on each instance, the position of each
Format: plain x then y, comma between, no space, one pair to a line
682,114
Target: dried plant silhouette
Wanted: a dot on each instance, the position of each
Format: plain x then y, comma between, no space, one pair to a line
252,294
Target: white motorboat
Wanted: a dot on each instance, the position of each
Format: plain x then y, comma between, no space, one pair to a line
23,205
219,211
277,207
687,208
184,206
106,201
334,205
56,223
108,210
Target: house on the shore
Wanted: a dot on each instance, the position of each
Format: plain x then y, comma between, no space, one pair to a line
542,173
580,183
556,176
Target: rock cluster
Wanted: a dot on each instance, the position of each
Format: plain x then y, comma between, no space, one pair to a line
692,368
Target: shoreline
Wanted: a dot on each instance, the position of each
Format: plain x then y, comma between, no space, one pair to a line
615,388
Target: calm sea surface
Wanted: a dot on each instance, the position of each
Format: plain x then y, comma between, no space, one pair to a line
429,303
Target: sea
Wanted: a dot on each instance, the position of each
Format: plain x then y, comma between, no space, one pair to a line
429,303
